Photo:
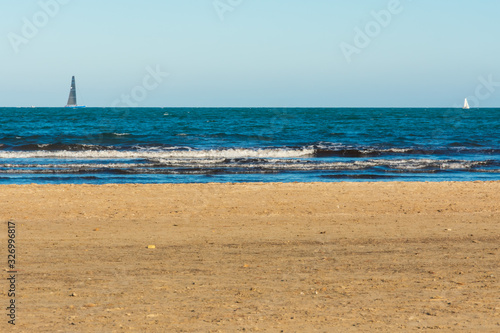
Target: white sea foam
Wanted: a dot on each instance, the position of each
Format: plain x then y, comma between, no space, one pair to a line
250,165
163,154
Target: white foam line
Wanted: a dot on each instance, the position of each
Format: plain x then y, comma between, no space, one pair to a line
263,164
197,154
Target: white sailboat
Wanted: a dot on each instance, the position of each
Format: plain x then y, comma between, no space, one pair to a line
72,96
466,105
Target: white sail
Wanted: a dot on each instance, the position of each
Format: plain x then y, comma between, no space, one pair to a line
466,105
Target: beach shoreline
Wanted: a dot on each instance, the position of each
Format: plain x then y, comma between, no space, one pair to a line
295,257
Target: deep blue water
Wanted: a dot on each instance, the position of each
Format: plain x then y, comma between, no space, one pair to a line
184,145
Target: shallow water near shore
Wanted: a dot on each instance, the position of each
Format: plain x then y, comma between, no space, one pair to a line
199,145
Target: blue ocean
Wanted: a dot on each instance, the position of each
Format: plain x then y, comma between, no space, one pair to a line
199,145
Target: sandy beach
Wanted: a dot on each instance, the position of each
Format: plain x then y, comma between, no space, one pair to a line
299,257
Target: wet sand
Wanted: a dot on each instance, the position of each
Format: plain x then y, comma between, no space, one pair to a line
301,257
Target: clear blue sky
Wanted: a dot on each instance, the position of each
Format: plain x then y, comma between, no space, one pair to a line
263,52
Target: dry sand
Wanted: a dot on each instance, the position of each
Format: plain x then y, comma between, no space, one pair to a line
313,257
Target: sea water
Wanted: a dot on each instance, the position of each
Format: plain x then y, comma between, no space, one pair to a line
198,145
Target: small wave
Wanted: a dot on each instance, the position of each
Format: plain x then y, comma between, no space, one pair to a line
339,150
252,165
80,152
55,147
466,144
112,135
74,166
378,152
364,176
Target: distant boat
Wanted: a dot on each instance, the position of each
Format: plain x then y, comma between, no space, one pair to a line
72,96
466,105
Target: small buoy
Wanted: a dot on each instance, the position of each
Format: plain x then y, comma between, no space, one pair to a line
151,247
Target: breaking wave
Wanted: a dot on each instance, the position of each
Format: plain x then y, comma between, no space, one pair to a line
100,153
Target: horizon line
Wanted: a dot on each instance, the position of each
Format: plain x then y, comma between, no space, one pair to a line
250,107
